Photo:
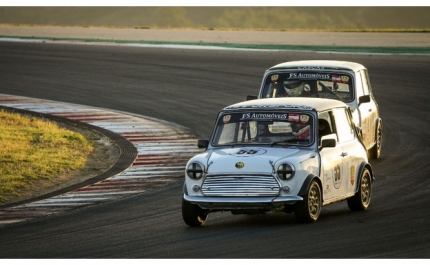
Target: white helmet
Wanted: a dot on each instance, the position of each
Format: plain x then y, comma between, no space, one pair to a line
294,88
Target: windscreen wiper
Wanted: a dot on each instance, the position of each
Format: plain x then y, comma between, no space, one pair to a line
293,140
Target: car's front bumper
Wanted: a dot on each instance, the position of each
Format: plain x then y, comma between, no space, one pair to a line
235,203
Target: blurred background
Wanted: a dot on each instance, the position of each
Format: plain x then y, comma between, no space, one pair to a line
414,19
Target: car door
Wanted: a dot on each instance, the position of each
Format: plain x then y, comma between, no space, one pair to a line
341,163
368,111
331,159
352,150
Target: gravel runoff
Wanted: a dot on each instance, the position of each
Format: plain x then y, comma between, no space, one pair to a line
374,39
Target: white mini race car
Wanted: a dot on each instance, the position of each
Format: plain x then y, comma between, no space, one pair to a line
345,81
281,154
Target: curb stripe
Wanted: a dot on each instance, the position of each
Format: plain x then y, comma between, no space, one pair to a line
162,152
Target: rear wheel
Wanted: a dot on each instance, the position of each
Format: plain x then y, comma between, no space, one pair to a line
361,199
192,214
375,151
308,210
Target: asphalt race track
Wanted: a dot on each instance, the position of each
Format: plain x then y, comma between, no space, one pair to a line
189,87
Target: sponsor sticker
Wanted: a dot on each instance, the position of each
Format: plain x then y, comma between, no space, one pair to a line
287,106
327,189
336,78
308,76
264,116
311,67
345,79
352,174
226,119
304,118
294,117
337,177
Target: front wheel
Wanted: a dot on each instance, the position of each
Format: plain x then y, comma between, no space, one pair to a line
361,199
308,210
192,214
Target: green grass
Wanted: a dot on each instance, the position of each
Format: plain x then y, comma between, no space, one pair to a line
33,149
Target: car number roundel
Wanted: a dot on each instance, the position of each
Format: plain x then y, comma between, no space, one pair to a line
248,152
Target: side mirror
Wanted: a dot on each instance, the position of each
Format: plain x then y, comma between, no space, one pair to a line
251,97
363,99
328,141
201,143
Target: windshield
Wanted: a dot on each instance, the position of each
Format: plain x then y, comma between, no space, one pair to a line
264,128
309,84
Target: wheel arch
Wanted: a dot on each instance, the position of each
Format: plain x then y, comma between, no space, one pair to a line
363,166
306,184
378,122
185,191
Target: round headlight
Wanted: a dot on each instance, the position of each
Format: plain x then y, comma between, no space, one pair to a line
285,171
194,171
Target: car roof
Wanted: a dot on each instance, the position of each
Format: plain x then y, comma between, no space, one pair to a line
288,103
319,65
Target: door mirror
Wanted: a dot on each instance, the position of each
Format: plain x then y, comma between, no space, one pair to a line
364,99
251,97
202,143
328,141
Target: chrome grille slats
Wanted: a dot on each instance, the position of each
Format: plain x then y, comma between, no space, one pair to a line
240,185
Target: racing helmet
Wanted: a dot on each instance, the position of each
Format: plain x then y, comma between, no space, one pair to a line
294,88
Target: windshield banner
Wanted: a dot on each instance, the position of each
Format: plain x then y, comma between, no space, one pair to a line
264,116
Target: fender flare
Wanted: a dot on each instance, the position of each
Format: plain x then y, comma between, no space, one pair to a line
363,165
185,189
305,186
378,122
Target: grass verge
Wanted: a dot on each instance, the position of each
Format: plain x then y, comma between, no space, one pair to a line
32,149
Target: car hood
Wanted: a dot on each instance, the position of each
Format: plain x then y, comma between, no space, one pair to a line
249,160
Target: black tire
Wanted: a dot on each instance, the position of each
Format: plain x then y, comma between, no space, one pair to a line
192,214
361,199
375,151
308,210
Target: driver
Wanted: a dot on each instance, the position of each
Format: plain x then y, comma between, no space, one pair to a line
300,130
295,88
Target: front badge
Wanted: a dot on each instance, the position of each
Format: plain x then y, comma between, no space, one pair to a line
239,165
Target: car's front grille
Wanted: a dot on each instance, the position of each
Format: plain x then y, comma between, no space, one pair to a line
240,185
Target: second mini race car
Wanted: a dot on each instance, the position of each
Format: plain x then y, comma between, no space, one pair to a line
341,80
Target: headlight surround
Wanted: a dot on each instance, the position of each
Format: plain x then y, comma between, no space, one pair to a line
195,170
285,171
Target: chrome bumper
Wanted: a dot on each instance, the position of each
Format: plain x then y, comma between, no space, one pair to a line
234,203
